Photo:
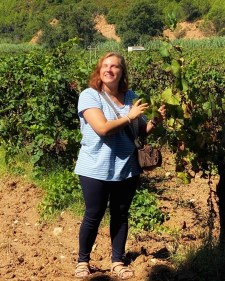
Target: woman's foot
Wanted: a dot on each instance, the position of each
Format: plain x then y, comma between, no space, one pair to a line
122,271
82,270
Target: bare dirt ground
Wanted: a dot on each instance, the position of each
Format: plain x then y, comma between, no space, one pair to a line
107,30
31,250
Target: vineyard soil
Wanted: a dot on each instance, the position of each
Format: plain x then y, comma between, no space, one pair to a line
31,250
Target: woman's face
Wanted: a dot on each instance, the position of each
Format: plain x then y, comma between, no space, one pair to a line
111,71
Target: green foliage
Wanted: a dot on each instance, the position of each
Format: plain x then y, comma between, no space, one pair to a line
217,15
192,89
3,167
20,164
62,192
9,48
52,36
38,107
171,10
144,211
172,21
136,21
148,79
195,106
73,21
191,10
142,19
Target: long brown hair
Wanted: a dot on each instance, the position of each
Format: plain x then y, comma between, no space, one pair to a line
95,80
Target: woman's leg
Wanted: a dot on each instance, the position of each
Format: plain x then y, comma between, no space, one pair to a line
96,195
121,195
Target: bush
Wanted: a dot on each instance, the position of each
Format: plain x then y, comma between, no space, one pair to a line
39,107
142,19
144,211
63,191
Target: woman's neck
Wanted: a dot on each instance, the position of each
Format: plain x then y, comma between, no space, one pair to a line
116,97
111,91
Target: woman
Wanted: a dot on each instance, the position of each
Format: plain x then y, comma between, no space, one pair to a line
107,164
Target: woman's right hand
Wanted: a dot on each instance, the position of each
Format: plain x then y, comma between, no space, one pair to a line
137,109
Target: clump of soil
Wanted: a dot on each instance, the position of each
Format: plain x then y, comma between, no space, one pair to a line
189,30
107,30
35,250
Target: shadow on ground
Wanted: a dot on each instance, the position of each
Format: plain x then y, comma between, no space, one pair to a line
206,264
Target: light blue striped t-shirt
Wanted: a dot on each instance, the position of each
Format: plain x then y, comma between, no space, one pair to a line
109,158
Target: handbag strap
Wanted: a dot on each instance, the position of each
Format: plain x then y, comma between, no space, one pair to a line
128,129
107,99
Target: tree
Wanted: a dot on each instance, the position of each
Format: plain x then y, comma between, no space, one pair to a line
78,21
52,36
142,19
191,10
217,15
73,21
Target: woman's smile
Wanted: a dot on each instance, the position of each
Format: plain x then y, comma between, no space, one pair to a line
111,71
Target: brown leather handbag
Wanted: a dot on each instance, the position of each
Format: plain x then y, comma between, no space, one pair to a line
149,157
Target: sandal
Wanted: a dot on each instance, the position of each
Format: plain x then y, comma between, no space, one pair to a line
82,270
122,271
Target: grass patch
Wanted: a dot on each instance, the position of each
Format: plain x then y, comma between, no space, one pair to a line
2,161
10,48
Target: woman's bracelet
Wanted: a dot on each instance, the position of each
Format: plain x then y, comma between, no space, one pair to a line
129,120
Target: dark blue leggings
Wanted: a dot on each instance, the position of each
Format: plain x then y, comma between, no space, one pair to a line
97,194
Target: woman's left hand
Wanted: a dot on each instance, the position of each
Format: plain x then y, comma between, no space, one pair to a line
153,123
162,111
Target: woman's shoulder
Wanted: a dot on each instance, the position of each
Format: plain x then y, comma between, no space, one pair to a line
89,98
89,91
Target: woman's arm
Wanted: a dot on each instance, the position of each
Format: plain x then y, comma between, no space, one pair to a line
103,127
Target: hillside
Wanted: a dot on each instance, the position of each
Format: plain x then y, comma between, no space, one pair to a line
134,20
190,30
183,30
107,30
